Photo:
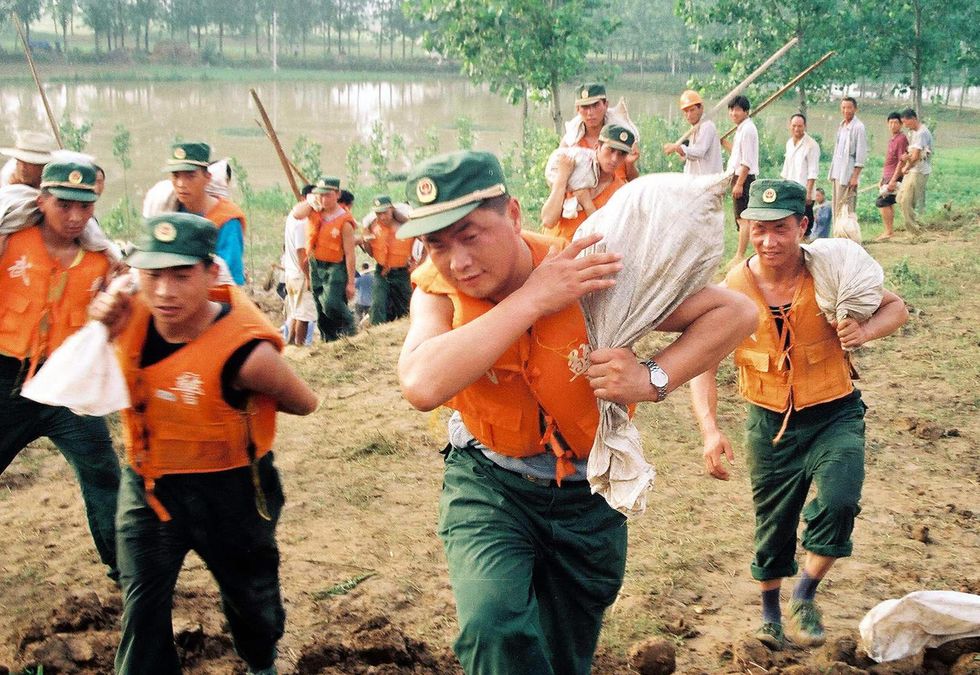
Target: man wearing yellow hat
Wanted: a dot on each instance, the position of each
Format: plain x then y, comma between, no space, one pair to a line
497,334
701,151
47,281
805,418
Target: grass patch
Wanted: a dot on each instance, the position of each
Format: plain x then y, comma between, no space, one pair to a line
343,588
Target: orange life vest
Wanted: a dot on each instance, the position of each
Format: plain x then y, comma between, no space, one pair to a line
224,211
42,302
565,227
391,253
326,237
179,422
801,367
536,396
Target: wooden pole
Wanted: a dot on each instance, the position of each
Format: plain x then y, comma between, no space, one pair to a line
296,170
278,146
741,86
786,87
37,82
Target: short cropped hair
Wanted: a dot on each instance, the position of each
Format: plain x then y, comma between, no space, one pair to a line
909,114
740,102
851,99
894,116
346,197
307,189
798,114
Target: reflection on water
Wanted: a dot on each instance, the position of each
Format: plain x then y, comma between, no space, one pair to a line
333,114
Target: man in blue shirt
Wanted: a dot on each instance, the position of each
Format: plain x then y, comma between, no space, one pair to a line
188,168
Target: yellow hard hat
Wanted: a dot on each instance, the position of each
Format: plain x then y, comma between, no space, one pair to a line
690,98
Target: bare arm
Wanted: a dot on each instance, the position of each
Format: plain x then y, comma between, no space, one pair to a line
438,361
266,372
551,211
303,260
632,159
740,177
889,317
301,211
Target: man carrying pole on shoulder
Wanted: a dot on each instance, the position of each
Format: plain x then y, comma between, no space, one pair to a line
534,557
702,152
805,418
205,379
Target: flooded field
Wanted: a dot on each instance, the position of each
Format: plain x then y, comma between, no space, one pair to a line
336,114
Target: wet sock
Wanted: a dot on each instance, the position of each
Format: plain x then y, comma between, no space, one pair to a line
770,606
806,588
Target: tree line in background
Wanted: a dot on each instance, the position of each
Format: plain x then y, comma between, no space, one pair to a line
525,48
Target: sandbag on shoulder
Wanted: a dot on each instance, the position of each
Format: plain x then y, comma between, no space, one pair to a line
848,282
670,230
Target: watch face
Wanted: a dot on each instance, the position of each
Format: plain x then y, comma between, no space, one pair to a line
658,378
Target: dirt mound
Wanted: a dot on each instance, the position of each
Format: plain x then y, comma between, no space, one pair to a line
374,646
79,636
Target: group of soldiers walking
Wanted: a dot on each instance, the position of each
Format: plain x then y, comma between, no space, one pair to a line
534,556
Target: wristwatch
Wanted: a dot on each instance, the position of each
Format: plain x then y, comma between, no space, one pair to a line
658,379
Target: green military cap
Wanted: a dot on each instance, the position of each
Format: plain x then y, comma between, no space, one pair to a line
590,93
74,181
443,189
617,137
773,199
381,203
188,157
174,240
326,184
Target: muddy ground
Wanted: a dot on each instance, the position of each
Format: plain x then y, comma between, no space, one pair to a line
363,574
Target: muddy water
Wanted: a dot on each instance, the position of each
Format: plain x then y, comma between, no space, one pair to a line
333,114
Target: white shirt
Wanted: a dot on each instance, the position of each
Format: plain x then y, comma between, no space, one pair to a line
802,160
295,238
745,148
703,155
850,150
921,140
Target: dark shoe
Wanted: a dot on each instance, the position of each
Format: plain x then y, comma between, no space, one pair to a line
771,635
805,624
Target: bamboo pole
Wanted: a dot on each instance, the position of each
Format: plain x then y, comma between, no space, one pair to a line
741,86
296,169
37,82
278,146
786,87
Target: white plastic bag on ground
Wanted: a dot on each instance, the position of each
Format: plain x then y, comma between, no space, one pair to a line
846,226
670,230
848,282
618,114
896,629
82,375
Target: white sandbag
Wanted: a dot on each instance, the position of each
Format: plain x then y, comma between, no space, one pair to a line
896,629
82,375
585,175
846,226
670,230
847,281
160,198
618,114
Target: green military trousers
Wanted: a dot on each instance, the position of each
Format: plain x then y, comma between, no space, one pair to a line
390,295
215,515
824,445
533,567
328,283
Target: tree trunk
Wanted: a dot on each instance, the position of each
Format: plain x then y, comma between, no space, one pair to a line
917,61
966,85
524,117
801,97
555,103
221,37
198,37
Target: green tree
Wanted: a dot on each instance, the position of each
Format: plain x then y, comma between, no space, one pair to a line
520,48
27,11
122,143
97,15
743,35
306,156
74,136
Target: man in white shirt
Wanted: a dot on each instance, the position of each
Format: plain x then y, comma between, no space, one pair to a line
801,161
743,164
300,309
917,170
850,153
702,150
